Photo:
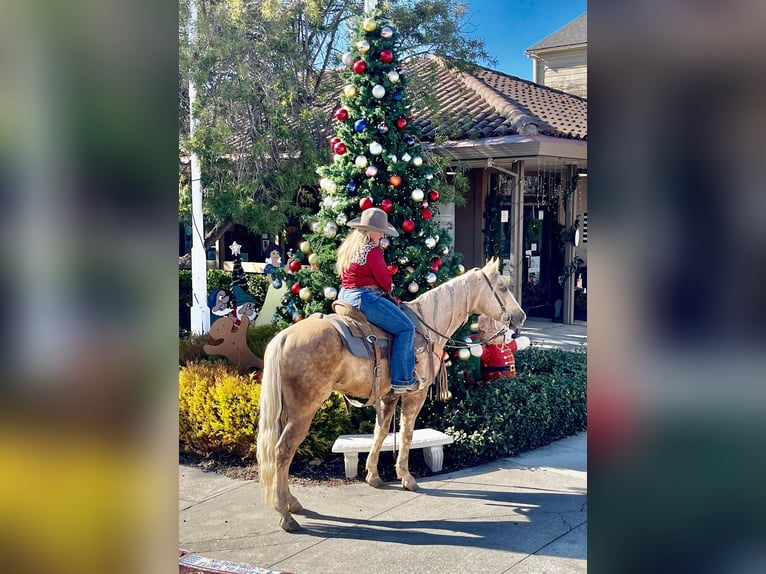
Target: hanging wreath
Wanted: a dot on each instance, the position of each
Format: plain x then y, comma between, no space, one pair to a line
534,227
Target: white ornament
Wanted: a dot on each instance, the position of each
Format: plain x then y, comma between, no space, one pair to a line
347,59
378,91
330,293
464,354
305,293
235,248
363,46
430,242
371,171
406,157
429,176
392,158
360,162
330,229
417,195
477,350
460,269
393,76
327,201
376,148
386,32
417,161
413,287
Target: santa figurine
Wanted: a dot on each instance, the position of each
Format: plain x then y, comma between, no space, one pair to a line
497,360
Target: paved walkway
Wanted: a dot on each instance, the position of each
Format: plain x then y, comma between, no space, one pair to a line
517,515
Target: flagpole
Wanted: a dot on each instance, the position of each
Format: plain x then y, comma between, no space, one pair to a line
200,314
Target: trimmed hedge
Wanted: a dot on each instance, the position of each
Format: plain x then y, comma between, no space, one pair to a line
546,401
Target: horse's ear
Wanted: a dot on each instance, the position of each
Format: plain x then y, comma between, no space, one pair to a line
493,265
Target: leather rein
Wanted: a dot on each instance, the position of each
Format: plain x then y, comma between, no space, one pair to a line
505,319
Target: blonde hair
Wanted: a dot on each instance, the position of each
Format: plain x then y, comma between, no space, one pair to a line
347,251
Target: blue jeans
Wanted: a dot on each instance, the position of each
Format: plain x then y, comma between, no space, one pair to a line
385,314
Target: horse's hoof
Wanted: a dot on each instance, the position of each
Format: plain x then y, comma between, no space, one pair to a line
375,481
289,524
410,484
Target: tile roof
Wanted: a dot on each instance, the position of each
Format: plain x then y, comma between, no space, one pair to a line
576,32
487,103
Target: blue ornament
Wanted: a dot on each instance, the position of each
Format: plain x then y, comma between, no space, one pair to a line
277,283
397,95
410,140
360,125
351,187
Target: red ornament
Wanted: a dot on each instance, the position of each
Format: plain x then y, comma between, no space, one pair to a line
433,195
294,265
334,140
365,203
436,264
426,213
386,56
341,114
359,67
395,180
401,123
408,226
339,148
295,289
392,270
387,205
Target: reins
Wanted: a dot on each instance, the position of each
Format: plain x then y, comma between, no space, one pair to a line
449,341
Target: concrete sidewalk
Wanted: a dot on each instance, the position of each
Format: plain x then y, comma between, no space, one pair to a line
524,514
545,334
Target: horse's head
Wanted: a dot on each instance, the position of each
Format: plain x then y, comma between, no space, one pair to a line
499,304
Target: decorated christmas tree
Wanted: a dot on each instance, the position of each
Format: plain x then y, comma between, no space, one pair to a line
378,161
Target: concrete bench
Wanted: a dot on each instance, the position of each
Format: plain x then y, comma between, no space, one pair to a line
431,440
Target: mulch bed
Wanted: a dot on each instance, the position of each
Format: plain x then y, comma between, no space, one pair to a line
329,472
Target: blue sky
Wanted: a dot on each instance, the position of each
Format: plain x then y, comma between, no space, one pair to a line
508,27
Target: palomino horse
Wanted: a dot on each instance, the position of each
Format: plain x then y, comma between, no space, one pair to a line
307,361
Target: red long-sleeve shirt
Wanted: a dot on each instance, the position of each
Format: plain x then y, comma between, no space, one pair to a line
368,271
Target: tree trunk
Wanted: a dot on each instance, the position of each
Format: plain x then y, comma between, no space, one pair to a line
184,262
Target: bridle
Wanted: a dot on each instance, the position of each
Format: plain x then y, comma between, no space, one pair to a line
505,316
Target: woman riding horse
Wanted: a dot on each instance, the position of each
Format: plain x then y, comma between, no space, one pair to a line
306,362
365,283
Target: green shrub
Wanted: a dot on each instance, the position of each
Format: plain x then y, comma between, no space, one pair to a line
218,415
217,410
546,401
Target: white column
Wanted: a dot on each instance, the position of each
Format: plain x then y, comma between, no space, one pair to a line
200,314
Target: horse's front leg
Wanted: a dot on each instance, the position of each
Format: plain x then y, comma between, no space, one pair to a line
411,405
386,408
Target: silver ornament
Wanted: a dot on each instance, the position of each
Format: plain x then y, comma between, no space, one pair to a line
342,219
431,278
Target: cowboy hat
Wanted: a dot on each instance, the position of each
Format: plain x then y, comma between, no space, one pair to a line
374,219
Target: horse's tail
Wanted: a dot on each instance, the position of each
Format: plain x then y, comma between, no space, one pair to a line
269,423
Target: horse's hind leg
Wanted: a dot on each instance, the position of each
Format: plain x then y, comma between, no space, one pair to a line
386,408
292,436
